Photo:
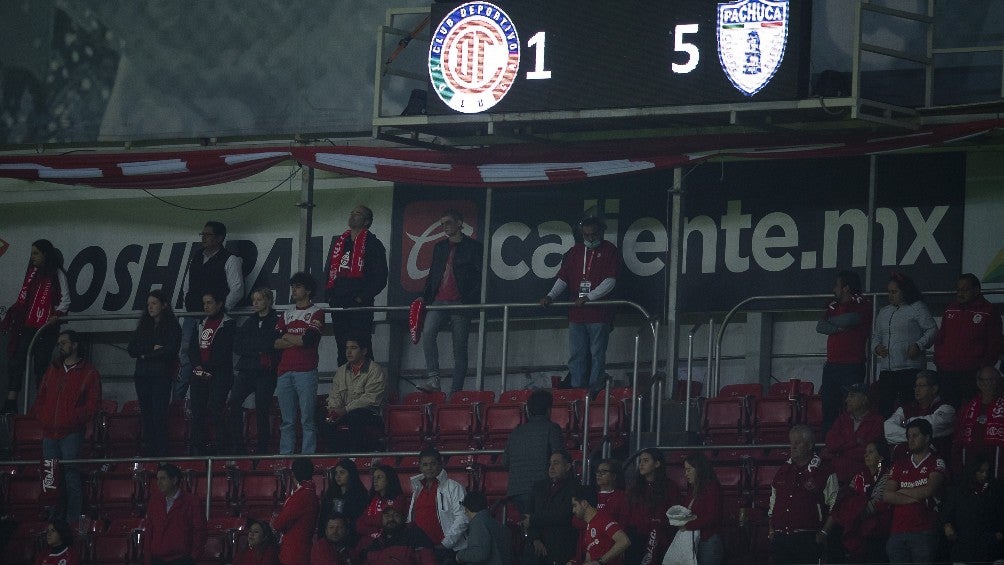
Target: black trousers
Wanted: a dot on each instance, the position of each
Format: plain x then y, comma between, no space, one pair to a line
262,385
354,438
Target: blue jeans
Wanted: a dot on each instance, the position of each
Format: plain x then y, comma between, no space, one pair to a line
461,322
912,547
585,342
68,448
297,391
180,388
711,551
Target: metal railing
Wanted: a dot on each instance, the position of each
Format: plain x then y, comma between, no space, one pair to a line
651,322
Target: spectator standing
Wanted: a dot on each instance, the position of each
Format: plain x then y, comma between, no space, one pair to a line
649,497
211,354
257,360
550,535
454,278
299,330
603,539
155,345
213,270
706,504
487,541
385,491
589,270
914,489
851,432
347,496
398,542
847,323
802,494
334,547
44,297
262,548
357,272
980,426
903,330
436,505
59,548
969,339
358,394
297,519
927,405
973,515
68,400
529,448
863,517
175,527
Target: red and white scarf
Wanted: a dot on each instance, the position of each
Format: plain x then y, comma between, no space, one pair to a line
42,294
338,256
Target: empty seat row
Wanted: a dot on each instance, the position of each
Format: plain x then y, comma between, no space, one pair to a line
736,418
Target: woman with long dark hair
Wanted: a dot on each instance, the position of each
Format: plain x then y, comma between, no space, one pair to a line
155,345
347,495
211,353
649,497
44,297
386,492
262,548
860,511
903,330
706,505
973,514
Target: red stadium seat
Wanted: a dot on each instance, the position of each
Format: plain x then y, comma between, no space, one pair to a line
495,484
25,542
515,396
422,397
118,543
472,397
455,426
122,434
725,421
407,426
741,389
260,490
221,538
566,416
783,388
26,435
811,413
733,482
498,421
131,407
773,420
119,494
569,395
616,426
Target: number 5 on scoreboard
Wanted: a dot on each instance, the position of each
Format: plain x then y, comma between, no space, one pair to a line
679,45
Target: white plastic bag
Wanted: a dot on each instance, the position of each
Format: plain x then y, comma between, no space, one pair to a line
683,550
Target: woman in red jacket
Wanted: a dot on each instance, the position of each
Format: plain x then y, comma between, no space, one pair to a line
706,504
59,541
649,497
261,549
385,492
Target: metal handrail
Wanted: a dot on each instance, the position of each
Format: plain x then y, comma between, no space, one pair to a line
652,323
728,317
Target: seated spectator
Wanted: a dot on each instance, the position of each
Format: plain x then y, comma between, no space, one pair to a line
973,514
386,491
927,405
706,504
649,497
610,494
550,535
436,505
262,548
979,419
175,526
334,547
297,519
59,545
346,496
851,432
358,393
603,539
487,541
398,543
862,516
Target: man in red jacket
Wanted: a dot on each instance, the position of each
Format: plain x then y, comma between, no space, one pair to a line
175,531
853,430
68,400
298,518
847,323
969,339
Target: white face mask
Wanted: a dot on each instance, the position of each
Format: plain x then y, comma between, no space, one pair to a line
592,244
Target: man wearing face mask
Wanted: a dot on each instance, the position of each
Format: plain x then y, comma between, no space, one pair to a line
589,271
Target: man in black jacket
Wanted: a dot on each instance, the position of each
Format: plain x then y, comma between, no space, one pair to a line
357,272
454,278
254,344
548,521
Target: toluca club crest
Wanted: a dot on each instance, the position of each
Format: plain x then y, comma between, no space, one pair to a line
752,35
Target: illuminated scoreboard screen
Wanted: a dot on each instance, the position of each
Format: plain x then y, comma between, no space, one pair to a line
521,56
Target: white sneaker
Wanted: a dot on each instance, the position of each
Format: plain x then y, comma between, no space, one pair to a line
430,385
